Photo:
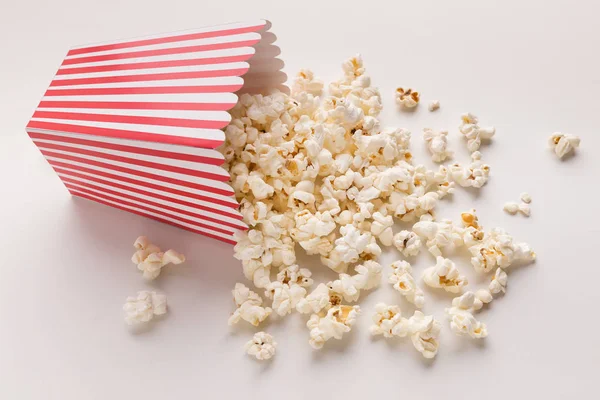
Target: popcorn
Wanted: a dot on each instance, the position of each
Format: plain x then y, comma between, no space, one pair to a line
381,228
322,298
424,331
312,231
262,346
150,259
499,249
294,275
434,105
525,197
407,97
285,296
338,320
144,306
368,276
511,207
402,280
498,283
306,82
388,321
473,132
563,143
474,175
439,235
249,306
524,209
462,321
437,144
408,243
353,245
444,275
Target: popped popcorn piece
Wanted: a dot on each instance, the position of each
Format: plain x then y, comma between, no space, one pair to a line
462,321
368,276
354,244
294,275
499,249
511,207
306,82
439,235
525,197
338,320
473,132
261,346
388,321
474,175
322,298
499,281
150,259
445,275
407,97
285,296
424,331
434,105
524,209
437,144
381,228
563,143
402,280
143,307
249,306
408,243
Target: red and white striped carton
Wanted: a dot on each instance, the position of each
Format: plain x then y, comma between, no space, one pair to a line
134,124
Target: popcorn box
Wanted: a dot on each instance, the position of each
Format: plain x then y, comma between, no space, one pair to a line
134,124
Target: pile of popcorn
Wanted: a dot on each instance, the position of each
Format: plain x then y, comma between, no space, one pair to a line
317,171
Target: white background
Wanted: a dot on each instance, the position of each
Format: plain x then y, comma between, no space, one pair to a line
529,68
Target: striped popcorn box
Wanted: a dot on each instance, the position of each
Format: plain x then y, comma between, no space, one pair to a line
134,124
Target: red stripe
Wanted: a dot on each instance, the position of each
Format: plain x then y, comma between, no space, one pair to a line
153,195
154,64
133,119
165,207
140,191
138,105
57,166
168,39
160,52
125,134
131,149
144,90
135,172
84,196
134,161
150,77
143,207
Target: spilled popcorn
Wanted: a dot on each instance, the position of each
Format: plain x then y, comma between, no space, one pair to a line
144,306
150,259
563,143
261,346
315,170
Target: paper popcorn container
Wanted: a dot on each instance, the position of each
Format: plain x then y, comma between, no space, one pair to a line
134,124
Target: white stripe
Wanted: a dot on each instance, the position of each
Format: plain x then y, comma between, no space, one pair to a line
174,175
224,80
173,45
73,172
196,151
229,98
213,28
196,133
175,205
236,51
156,70
180,114
222,235
196,166
143,179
